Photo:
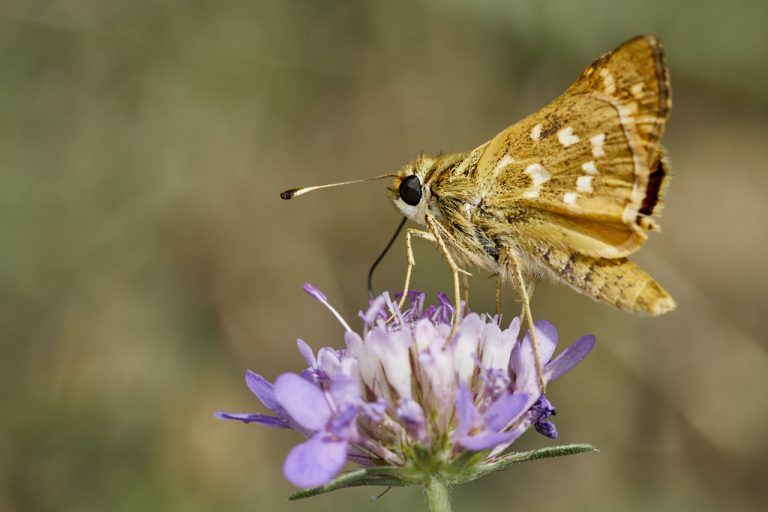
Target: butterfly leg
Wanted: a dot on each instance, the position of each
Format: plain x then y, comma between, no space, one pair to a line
454,269
498,295
465,282
508,255
410,233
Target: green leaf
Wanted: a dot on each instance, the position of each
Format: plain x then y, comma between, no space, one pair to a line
384,476
391,476
508,459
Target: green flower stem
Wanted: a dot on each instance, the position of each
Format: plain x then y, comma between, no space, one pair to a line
438,495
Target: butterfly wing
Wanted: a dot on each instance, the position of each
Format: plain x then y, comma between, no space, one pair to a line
585,173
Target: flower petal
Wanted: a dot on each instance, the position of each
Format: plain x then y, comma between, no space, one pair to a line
306,352
328,361
376,309
437,366
497,347
264,419
505,410
304,401
500,354
464,346
350,367
411,413
342,426
375,410
315,462
539,410
548,342
523,362
514,327
367,361
486,441
569,358
263,390
391,348
424,332
345,392
467,414
495,383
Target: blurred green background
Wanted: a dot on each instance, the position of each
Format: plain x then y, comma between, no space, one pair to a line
147,260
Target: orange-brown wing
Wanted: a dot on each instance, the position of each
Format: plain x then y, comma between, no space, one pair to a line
586,172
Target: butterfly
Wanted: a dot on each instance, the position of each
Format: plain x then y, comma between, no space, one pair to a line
567,193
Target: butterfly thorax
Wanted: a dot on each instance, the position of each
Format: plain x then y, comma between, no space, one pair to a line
456,196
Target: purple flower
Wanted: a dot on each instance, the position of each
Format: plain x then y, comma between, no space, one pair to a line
397,390
264,391
332,419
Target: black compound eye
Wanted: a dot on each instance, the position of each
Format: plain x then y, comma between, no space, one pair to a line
410,190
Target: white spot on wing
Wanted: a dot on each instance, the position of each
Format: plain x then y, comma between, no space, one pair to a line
637,89
567,137
584,183
570,197
589,167
536,132
608,82
597,145
503,163
539,175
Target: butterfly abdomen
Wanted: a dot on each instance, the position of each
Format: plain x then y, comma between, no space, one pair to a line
617,282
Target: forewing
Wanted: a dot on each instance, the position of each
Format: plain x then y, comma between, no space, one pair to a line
586,172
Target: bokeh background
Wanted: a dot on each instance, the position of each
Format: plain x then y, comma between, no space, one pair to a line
147,260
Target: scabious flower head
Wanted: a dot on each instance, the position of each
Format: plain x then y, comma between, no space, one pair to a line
402,395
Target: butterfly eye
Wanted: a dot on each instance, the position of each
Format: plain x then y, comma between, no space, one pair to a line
410,190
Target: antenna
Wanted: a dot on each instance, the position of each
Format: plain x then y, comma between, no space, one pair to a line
296,192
